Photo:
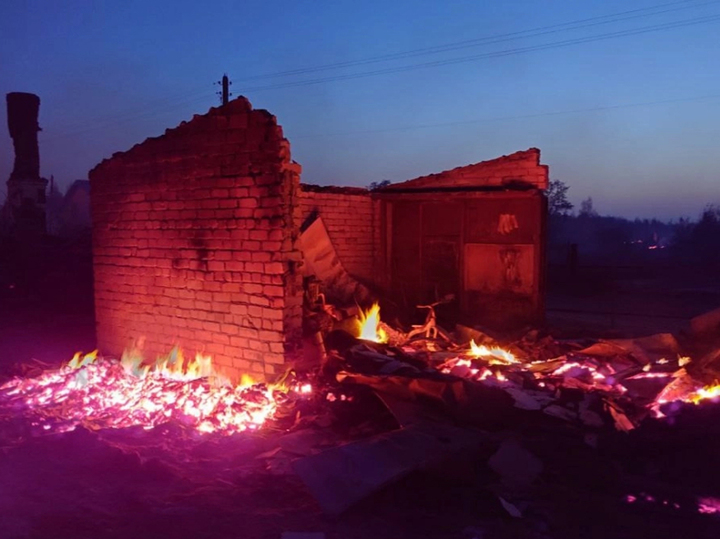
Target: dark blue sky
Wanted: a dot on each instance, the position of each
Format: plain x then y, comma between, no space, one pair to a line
631,120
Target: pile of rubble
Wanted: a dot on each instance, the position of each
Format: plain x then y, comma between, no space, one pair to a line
466,388
545,419
590,382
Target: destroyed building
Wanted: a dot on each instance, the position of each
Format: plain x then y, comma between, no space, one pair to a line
205,239
197,241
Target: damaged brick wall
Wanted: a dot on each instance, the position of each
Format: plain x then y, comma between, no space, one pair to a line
352,219
518,170
194,242
475,232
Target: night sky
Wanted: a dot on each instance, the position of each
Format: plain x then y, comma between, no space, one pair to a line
623,98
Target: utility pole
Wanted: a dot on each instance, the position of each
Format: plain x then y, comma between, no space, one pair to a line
225,93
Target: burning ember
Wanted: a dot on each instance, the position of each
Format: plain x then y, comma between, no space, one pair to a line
105,393
704,505
369,325
575,370
494,356
707,392
682,388
709,506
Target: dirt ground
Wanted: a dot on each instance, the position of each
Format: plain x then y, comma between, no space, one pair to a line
165,483
606,301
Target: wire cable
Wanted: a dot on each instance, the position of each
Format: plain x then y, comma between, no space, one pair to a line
98,123
508,118
497,54
493,39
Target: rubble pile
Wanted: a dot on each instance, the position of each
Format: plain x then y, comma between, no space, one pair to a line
624,400
623,381
539,421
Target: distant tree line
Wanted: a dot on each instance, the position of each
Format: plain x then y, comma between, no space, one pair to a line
699,242
616,239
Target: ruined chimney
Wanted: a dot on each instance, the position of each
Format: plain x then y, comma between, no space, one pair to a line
26,189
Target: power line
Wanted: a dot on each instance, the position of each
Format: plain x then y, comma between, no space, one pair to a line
492,39
498,54
147,106
110,123
84,127
522,34
508,118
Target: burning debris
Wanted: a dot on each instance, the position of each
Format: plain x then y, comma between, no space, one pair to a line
623,380
387,400
106,393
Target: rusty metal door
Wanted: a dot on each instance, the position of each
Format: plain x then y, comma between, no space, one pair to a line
441,249
426,249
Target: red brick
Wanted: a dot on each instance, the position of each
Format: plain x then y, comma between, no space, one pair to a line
188,245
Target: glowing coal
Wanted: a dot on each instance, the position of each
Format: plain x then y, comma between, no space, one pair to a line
492,365
105,393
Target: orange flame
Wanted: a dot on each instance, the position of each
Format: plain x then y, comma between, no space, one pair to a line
80,360
708,392
494,355
173,366
369,325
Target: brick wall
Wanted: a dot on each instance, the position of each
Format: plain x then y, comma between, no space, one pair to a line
520,169
352,219
194,242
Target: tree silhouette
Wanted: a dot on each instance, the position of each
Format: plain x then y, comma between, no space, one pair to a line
378,185
558,204
587,209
